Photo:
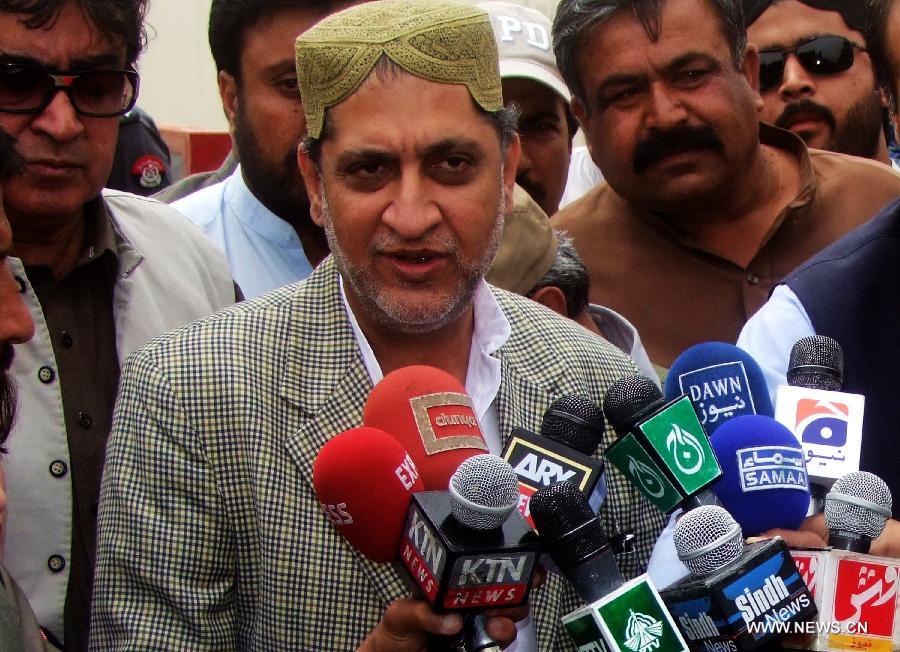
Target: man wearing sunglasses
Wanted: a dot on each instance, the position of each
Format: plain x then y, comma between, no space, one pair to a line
101,274
816,75
704,208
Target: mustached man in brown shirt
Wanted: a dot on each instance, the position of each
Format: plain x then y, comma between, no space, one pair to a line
703,208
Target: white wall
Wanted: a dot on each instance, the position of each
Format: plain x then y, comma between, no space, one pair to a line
178,76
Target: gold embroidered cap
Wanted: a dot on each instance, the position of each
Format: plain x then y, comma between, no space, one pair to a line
439,41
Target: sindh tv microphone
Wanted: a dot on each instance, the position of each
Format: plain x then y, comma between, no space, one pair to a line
619,615
430,414
764,483
735,594
723,381
827,422
571,431
662,448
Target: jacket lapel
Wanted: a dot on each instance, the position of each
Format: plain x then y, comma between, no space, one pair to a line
325,380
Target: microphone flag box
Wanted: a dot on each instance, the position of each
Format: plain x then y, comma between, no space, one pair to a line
667,456
828,426
459,568
740,606
540,462
857,599
632,618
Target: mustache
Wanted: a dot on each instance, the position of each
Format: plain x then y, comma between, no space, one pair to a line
805,107
534,191
683,138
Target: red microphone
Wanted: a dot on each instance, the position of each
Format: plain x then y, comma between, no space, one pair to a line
364,480
428,411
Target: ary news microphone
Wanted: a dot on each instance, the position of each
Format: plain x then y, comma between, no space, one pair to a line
764,483
571,430
662,448
723,382
735,593
428,411
827,422
364,480
468,549
619,616
856,511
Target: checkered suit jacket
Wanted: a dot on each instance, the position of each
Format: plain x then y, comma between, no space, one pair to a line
211,537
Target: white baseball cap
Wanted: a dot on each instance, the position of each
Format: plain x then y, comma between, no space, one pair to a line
524,43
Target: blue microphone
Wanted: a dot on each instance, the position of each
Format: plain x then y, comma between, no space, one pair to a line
723,382
764,483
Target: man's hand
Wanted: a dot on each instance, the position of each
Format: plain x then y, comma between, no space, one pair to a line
405,625
810,534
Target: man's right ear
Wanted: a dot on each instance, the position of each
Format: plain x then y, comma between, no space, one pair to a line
228,91
313,182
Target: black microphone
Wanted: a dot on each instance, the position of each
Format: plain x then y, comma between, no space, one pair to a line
816,362
856,510
662,448
735,594
571,430
466,549
619,615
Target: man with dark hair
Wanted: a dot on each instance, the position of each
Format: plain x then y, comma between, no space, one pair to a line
850,291
259,215
101,272
409,166
704,208
816,77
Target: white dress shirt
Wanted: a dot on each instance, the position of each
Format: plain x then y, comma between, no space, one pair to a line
263,250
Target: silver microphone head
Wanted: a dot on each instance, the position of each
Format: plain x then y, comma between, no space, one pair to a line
859,503
707,538
484,490
816,362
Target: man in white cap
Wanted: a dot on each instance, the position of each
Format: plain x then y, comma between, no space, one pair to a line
531,79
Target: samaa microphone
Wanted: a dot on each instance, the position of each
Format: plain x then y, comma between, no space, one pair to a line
827,422
764,484
364,480
856,511
428,411
619,615
723,382
662,448
571,430
735,592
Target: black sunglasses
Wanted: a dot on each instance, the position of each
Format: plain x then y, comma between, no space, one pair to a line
823,55
93,93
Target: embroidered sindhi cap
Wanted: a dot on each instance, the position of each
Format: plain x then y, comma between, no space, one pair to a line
439,41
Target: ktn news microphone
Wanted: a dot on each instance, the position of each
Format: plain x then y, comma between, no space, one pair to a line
370,489
827,422
571,431
855,592
619,615
662,448
723,382
735,592
764,483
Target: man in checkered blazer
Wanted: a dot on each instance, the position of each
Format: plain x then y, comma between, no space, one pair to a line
211,537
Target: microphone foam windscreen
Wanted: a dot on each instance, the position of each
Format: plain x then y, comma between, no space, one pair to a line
858,502
723,382
764,483
484,490
562,509
574,421
365,480
706,539
816,362
428,411
626,398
